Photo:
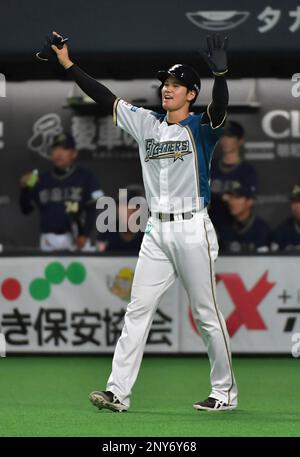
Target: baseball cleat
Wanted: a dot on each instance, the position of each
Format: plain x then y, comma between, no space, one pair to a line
212,404
107,400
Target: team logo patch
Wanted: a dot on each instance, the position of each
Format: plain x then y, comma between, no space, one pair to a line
148,227
167,150
131,107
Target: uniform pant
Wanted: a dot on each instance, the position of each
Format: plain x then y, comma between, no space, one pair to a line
56,242
61,242
188,249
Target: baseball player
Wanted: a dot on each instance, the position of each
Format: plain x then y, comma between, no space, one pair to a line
286,237
65,197
248,232
229,167
180,241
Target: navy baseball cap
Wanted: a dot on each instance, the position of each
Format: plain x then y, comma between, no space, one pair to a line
185,74
64,140
295,194
239,189
233,128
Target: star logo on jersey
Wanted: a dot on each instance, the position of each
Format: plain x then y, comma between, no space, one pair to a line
166,149
178,155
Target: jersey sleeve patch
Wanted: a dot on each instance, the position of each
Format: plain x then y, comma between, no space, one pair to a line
130,118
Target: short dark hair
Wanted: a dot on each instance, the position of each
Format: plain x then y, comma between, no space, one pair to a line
233,128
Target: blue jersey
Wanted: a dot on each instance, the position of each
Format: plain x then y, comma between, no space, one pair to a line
63,199
221,178
249,237
287,236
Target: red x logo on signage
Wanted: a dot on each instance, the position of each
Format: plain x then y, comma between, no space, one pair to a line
245,301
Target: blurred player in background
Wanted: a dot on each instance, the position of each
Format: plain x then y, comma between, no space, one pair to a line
65,197
247,233
228,167
127,241
287,236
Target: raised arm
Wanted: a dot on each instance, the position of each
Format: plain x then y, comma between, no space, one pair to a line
99,93
27,193
216,57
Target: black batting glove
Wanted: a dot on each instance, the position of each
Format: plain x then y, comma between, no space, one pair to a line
216,54
47,53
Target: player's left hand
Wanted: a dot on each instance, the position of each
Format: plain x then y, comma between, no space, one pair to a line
81,241
216,54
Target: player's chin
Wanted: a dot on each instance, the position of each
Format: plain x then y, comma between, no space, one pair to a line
168,105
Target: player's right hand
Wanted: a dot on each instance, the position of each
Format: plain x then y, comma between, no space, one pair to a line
62,54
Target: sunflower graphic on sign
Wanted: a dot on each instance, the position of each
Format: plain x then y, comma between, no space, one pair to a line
120,285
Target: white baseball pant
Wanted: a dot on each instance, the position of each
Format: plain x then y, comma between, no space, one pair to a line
64,242
188,249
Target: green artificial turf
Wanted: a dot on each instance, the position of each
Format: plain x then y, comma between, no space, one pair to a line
42,396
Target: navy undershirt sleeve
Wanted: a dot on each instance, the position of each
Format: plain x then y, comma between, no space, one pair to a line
219,104
99,93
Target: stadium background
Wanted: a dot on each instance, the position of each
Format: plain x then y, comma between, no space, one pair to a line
124,44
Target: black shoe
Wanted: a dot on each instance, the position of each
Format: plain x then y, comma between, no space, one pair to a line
212,404
107,400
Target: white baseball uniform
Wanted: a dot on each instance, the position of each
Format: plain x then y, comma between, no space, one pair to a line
176,165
